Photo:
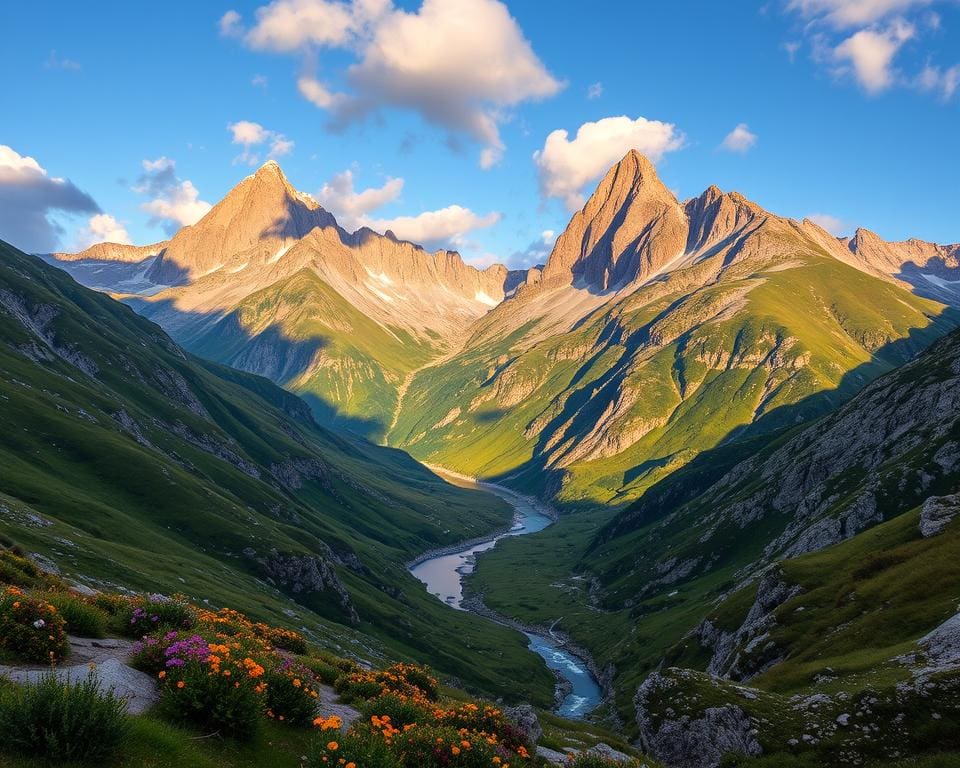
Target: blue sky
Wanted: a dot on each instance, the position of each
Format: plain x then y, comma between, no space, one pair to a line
849,109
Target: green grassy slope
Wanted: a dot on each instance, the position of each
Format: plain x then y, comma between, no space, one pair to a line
306,337
601,413
125,460
631,585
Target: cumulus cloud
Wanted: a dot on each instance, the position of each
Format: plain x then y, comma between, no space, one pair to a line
833,224
566,166
174,203
740,139
231,24
535,253
444,228
870,53
101,228
843,14
351,207
865,39
249,135
30,199
595,91
460,64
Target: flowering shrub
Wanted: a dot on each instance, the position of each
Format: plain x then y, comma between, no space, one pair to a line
82,617
445,747
291,694
212,685
402,680
149,613
31,629
395,710
486,720
359,748
17,569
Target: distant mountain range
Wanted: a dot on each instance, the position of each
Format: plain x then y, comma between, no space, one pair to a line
656,329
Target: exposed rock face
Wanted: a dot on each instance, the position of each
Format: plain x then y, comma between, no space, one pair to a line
937,512
690,742
306,575
121,252
630,228
746,652
525,718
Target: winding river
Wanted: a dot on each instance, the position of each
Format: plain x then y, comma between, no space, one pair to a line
443,574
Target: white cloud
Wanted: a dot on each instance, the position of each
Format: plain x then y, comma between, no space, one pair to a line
174,202
833,224
943,82
791,47
349,206
432,229
248,135
565,167
866,39
101,228
460,64
843,14
595,91
535,253
259,81
230,24
740,139
29,198
870,52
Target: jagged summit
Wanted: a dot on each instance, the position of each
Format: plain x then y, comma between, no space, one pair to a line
631,227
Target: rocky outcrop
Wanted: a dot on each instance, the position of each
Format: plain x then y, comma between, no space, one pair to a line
690,740
524,717
748,650
303,575
937,512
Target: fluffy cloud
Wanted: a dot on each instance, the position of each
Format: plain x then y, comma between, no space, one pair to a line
101,228
853,13
565,167
870,53
60,62
351,207
434,229
740,139
595,91
833,224
174,202
865,38
248,135
535,253
460,64
29,198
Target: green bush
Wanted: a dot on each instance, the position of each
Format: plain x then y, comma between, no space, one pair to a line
400,712
17,569
442,747
590,760
31,629
363,747
291,694
62,721
146,614
326,673
82,618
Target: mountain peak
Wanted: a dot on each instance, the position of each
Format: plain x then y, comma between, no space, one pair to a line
631,226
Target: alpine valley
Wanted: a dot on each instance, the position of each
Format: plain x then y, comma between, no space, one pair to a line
747,426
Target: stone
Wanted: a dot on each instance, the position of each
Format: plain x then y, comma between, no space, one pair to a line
138,688
937,512
525,718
